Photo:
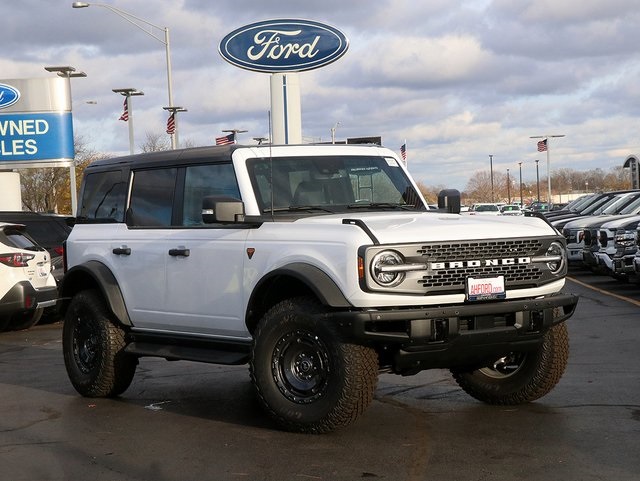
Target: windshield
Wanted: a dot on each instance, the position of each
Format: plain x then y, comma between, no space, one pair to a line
487,208
598,205
633,207
615,206
331,184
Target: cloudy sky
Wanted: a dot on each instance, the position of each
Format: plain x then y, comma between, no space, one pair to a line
458,80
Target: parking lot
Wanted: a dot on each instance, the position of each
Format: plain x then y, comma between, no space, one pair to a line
188,421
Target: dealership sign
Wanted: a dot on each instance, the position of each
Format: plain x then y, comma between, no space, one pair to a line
8,96
35,120
274,46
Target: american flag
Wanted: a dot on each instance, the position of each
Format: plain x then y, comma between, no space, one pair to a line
226,140
171,124
125,114
403,151
542,146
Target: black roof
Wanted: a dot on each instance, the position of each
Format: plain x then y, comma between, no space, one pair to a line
219,152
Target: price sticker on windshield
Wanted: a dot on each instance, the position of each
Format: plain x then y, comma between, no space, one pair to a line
485,288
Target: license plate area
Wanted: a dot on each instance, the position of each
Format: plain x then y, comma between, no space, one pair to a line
485,288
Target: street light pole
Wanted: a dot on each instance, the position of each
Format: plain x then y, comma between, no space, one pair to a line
491,173
548,149
333,132
508,187
134,20
521,202
128,93
537,181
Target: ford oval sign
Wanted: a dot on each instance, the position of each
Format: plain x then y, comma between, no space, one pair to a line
283,46
8,96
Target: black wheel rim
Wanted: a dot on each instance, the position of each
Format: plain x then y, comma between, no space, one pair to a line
300,366
505,366
86,345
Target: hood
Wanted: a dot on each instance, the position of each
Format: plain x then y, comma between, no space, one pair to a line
595,221
626,221
405,227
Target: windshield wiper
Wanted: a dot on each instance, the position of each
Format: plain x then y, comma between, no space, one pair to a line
380,205
297,208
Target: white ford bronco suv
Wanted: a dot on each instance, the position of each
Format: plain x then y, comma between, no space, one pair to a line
319,266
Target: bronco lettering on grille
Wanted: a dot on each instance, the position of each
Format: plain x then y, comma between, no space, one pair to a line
507,261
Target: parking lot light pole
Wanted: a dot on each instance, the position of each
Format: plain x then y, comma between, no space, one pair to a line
69,72
520,165
508,187
537,181
128,93
173,111
137,21
491,173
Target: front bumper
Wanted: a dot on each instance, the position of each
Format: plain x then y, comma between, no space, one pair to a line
590,258
455,336
574,252
604,260
624,264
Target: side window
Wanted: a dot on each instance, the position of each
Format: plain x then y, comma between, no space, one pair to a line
152,194
202,181
103,197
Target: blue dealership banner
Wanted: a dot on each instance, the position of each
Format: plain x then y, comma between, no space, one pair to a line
36,136
36,125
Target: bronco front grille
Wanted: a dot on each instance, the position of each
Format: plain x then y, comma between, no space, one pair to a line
438,268
455,277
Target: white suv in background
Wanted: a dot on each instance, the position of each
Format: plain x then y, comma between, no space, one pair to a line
26,283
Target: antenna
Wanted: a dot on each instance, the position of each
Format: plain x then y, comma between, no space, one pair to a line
270,166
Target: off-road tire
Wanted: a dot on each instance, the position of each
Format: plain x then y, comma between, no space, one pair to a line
93,345
525,376
305,376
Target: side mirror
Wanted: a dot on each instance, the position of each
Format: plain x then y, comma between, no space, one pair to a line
222,209
449,201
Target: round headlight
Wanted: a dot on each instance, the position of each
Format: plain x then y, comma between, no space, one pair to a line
555,255
382,268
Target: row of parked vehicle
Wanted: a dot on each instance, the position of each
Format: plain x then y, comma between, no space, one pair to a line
603,232
494,209
30,266
500,208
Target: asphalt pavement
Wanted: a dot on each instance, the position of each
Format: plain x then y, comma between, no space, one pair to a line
186,421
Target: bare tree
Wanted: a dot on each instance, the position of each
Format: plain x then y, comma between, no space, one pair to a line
430,192
48,189
155,142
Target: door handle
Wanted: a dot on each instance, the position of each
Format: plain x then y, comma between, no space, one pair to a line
179,252
122,251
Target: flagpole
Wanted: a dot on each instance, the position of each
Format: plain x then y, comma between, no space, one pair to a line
548,148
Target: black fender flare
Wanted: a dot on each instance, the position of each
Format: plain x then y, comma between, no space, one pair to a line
316,280
101,276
